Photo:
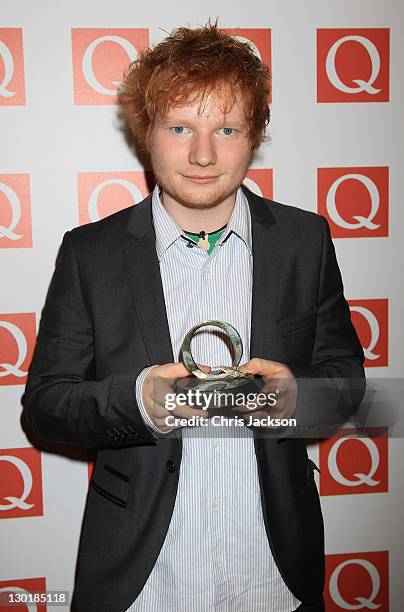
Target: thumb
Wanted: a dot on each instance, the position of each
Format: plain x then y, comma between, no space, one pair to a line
261,367
253,366
204,368
174,370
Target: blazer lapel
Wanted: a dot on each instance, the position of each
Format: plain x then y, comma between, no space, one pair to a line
267,268
146,287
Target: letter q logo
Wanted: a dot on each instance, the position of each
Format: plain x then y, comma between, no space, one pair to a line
353,65
101,194
100,58
17,341
12,82
354,201
15,211
20,483
353,463
357,581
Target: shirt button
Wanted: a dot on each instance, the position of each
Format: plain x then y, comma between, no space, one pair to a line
216,503
206,269
215,443
170,467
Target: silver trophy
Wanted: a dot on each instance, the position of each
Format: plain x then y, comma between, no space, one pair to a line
221,379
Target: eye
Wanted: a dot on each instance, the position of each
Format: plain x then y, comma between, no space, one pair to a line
178,129
227,131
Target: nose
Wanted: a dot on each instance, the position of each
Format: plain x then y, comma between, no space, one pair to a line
202,151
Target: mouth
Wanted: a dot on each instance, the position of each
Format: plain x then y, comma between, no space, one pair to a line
200,179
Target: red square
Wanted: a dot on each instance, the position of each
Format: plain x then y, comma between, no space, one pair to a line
353,462
20,483
357,581
100,57
101,194
15,211
12,81
353,64
17,342
355,201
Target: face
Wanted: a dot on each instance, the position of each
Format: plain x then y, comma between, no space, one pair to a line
200,161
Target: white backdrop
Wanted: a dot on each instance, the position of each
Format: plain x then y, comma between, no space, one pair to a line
61,139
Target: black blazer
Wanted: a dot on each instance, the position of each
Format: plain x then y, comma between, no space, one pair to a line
104,320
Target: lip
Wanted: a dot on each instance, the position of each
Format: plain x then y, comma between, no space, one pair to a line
201,179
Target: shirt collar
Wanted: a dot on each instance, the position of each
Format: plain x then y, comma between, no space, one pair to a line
167,231
240,221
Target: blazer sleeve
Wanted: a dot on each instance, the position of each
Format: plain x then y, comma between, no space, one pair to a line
62,401
331,389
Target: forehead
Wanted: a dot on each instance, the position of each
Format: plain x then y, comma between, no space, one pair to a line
212,107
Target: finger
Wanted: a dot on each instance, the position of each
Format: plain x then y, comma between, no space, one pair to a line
274,387
255,414
183,412
158,411
262,367
172,370
283,409
164,394
266,367
188,412
175,371
170,404
267,409
245,409
204,368
159,415
161,386
253,409
167,396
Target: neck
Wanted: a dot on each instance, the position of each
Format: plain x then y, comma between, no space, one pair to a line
197,219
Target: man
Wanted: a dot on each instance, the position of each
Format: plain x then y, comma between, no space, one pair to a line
195,519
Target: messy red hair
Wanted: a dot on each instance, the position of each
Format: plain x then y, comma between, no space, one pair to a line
188,66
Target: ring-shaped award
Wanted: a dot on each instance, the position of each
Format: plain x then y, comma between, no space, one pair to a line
221,378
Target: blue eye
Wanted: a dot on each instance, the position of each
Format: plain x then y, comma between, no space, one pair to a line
227,131
178,129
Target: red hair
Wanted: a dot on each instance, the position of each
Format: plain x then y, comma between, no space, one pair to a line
189,65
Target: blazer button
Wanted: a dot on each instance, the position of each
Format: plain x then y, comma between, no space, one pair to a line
171,467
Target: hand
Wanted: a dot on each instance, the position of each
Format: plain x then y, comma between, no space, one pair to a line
157,386
279,381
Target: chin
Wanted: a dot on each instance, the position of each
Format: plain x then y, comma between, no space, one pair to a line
199,197
198,201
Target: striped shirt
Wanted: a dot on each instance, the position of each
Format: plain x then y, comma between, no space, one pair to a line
216,555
